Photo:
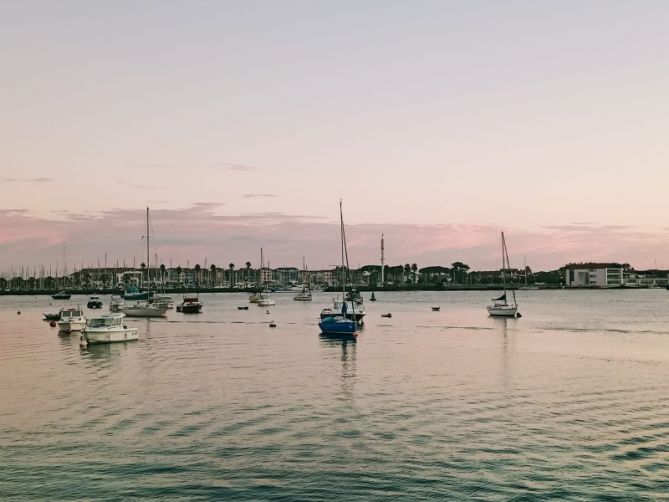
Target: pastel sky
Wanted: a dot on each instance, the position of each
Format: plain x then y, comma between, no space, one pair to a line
242,123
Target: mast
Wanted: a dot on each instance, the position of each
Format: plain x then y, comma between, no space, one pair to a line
148,257
383,261
341,232
525,266
505,266
344,256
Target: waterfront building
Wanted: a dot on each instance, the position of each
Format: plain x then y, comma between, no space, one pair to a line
598,275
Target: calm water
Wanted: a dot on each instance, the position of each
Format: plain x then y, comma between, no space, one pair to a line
571,401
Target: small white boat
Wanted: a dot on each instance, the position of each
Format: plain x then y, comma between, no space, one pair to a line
254,297
500,306
144,309
502,309
71,320
109,328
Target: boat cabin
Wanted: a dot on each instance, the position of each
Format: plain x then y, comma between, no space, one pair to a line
66,313
106,321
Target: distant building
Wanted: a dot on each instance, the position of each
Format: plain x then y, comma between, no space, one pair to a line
597,275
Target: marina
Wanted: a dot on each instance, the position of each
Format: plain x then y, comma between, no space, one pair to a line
218,406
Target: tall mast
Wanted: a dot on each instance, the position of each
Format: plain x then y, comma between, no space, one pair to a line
383,261
148,257
341,232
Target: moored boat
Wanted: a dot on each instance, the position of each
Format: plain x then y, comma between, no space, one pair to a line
109,328
338,321
71,319
94,302
163,301
143,309
500,306
346,309
338,325
190,305
133,293
61,295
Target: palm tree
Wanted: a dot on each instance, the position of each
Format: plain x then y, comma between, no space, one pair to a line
414,269
178,271
197,274
248,270
407,272
142,266
231,266
162,272
213,274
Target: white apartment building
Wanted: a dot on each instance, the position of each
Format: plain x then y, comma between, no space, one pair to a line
595,275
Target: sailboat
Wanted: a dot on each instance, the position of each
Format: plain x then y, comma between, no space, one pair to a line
340,323
142,308
501,307
527,286
305,294
264,299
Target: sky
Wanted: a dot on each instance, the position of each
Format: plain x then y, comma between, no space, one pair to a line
242,123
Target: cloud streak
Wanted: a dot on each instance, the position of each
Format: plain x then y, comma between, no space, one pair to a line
258,195
26,180
202,232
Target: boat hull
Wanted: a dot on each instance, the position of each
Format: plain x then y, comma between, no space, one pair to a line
189,309
332,326
93,335
502,311
144,311
266,302
70,326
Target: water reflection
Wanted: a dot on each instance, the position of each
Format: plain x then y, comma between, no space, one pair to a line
347,357
104,351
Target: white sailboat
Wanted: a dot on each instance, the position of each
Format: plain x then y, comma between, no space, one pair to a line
264,298
501,307
527,287
305,294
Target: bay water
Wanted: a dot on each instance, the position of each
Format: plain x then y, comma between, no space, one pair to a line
567,402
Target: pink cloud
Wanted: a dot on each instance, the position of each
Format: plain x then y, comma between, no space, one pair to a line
202,231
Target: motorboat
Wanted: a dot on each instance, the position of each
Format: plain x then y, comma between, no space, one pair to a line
133,293
346,309
190,305
143,309
109,328
71,319
254,297
61,295
94,302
